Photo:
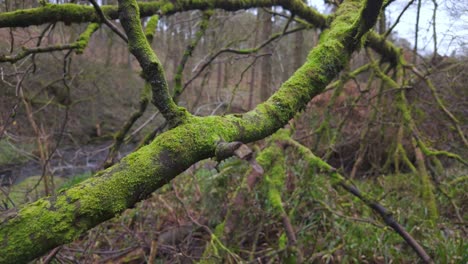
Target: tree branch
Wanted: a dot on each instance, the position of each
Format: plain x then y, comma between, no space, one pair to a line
72,13
107,22
153,71
78,46
341,181
178,89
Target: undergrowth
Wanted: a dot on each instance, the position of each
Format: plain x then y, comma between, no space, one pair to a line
177,223
14,153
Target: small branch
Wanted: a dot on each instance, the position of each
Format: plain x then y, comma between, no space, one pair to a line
145,98
178,89
402,104
151,27
416,31
52,255
241,51
137,130
78,46
107,22
440,103
350,218
153,71
341,181
236,87
398,19
214,238
388,219
149,137
120,135
434,15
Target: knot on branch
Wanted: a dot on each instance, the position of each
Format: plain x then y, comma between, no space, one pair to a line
225,150
177,116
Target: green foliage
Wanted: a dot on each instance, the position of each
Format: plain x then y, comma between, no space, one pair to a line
13,153
83,40
74,180
218,185
28,190
330,225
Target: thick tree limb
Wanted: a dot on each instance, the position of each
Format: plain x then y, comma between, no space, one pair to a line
52,221
73,13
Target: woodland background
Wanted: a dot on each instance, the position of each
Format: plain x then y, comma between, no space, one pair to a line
61,114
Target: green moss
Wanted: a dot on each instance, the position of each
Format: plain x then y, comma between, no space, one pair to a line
166,8
188,52
272,161
153,71
83,40
282,241
146,93
323,64
436,153
212,251
50,13
151,27
47,221
64,217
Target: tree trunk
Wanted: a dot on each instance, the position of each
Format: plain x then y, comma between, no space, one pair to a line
253,71
265,78
299,50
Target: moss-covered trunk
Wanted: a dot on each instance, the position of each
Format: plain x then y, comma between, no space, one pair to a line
49,222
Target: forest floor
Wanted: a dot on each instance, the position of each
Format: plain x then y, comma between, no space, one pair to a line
176,224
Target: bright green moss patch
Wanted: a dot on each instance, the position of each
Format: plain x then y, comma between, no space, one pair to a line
272,160
151,27
83,40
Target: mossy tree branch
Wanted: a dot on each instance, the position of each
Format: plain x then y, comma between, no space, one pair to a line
273,162
107,22
72,13
145,98
267,174
188,53
153,71
41,226
440,103
79,45
407,123
339,180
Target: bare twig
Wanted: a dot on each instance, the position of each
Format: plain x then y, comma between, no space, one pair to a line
107,22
